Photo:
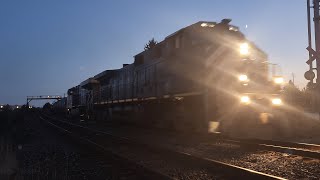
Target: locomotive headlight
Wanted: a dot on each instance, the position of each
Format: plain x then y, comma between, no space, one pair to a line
278,80
245,99
276,101
244,49
243,77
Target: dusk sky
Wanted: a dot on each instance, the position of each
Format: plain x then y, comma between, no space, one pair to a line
47,47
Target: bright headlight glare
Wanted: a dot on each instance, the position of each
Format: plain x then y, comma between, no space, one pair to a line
278,80
243,77
244,49
276,101
245,99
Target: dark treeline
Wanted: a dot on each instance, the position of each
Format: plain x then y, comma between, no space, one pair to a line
300,98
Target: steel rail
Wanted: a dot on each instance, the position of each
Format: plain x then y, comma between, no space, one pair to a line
147,172
227,170
300,149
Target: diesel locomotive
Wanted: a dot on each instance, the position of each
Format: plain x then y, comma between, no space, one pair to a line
203,78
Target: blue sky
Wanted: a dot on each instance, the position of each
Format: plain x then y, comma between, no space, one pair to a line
48,46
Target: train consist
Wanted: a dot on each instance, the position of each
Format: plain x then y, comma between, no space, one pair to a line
200,78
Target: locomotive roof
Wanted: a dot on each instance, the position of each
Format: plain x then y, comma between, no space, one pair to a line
195,25
209,24
105,74
88,82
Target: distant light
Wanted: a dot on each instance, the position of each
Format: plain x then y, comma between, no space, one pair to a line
243,77
278,80
17,107
30,107
204,25
1,107
245,99
48,96
246,26
276,101
233,28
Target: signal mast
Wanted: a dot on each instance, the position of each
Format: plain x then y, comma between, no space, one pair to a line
314,54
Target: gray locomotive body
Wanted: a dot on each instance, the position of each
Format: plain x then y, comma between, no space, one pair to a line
193,80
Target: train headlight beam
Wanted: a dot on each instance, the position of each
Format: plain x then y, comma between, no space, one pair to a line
245,100
244,49
278,80
276,101
243,77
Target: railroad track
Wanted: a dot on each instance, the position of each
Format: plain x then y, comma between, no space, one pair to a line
300,149
145,172
294,148
92,136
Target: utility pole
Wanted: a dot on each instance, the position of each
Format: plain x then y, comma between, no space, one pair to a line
293,78
309,36
316,19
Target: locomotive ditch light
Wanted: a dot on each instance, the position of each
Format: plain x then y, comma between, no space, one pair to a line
243,77
276,101
245,100
244,48
278,80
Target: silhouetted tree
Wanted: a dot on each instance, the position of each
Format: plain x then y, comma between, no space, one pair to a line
7,107
151,44
293,95
309,97
47,106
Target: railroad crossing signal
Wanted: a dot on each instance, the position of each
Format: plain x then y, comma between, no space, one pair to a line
309,75
314,55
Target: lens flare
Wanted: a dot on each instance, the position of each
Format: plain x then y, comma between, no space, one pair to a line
243,77
276,101
244,49
245,99
278,80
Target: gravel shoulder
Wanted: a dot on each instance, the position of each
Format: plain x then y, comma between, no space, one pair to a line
269,162
43,153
